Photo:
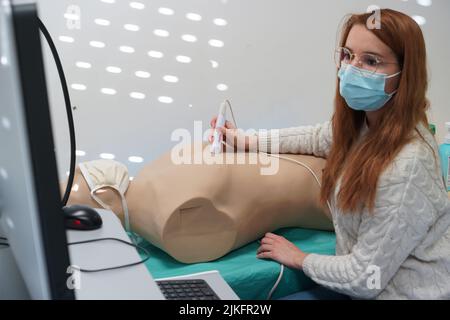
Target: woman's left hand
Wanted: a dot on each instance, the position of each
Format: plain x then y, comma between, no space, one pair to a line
279,249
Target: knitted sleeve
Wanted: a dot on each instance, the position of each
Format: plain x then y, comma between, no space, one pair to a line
313,140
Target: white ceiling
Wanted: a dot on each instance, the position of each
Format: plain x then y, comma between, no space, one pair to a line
276,64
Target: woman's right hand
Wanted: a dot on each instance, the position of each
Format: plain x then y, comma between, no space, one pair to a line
234,137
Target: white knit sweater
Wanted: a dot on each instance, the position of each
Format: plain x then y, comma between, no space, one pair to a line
407,239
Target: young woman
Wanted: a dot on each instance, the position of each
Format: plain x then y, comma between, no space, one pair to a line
390,208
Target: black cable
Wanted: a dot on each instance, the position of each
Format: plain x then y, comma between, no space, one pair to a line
117,267
5,244
68,104
65,89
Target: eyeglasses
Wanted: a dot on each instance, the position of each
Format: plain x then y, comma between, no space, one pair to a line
366,61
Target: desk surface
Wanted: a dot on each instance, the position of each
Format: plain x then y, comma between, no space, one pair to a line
126,283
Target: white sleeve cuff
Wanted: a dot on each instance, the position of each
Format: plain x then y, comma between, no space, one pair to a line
308,265
269,141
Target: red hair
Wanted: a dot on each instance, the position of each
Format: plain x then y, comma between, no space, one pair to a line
361,164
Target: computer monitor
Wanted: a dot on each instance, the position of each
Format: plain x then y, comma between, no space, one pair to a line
30,201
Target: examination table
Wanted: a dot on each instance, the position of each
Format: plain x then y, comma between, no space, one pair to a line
250,277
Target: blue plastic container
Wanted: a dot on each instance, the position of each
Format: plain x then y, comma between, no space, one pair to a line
444,152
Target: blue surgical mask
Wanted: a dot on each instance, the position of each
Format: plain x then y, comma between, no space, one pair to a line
362,90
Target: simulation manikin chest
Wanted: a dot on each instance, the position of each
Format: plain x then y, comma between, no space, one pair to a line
200,212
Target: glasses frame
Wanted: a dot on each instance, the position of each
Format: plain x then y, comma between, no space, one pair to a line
379,60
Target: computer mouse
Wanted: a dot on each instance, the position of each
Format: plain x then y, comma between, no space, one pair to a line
78,217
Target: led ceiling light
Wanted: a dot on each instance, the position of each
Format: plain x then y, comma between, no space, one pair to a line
216,43
189,38
155,54
425,3
142,74
171,79
183,59
4,174
71,16
137,95
113,69
108,91
135,159
164,99
6,123
193,16
214,64
137,5
107,156
166,11
78,86
80,153
97,44
222,87
66,39
126,49
220,22
83,65
102,22
161,33
131,27
420,20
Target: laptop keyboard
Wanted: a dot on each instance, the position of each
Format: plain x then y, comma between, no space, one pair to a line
187,290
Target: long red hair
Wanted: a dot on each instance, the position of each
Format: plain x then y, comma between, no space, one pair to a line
361,164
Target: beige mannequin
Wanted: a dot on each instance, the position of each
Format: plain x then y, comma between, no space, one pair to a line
201,212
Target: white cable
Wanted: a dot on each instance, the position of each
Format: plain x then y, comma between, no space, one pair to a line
269,296
296,162
301,164
231,110
287,159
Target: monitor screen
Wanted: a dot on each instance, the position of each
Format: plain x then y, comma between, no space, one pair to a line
31,212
